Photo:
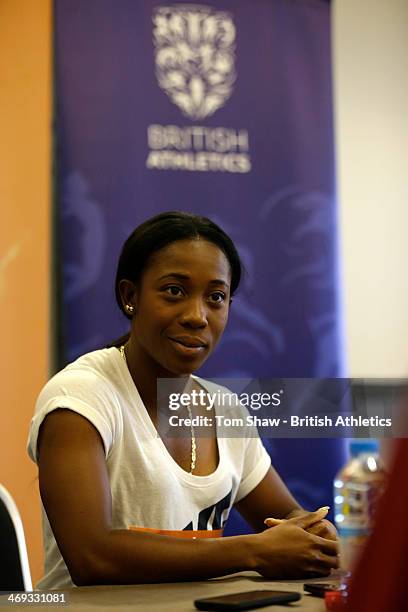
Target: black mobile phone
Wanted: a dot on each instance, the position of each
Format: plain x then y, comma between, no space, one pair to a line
318,589
246,601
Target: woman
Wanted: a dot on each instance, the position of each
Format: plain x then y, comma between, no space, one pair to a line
110,485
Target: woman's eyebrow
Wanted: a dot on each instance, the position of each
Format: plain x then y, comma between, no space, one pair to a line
219,281
175,275
181,276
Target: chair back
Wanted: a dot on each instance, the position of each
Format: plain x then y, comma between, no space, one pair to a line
14,569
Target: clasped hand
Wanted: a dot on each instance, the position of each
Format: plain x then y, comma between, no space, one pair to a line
303,545
318,525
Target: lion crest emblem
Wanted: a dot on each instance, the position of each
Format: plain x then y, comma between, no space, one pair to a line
195,57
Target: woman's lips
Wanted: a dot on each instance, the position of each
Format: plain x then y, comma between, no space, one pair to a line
188,347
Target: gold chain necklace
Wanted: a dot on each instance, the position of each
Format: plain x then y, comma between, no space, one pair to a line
193,439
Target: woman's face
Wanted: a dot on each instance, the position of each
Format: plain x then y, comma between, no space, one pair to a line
181,306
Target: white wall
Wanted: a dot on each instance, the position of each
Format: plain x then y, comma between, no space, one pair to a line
370,43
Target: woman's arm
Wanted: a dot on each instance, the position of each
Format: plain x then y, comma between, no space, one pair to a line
271,498
76,495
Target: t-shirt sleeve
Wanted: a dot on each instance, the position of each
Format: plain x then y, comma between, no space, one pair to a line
83,392
256,464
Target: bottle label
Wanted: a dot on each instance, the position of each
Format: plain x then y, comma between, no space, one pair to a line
358,505
355,507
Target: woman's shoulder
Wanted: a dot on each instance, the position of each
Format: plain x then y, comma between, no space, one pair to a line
88,386
101,360
94,371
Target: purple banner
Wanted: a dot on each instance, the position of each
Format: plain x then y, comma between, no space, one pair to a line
223,109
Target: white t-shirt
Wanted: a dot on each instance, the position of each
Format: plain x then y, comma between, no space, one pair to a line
149,489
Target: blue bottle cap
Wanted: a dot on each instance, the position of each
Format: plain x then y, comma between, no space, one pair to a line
363,446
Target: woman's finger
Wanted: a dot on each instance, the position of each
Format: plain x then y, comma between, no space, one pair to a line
324,563
303,520
324,529
328,547
272,522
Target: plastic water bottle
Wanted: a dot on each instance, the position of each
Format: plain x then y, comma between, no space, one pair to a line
357,490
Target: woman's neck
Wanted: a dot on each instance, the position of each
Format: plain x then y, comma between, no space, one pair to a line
145,372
